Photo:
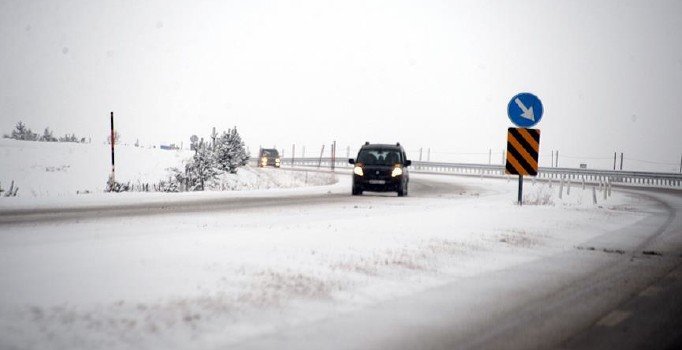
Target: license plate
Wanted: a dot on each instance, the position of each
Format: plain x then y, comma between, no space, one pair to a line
377,182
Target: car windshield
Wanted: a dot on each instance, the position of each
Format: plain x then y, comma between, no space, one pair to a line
379,157
269,153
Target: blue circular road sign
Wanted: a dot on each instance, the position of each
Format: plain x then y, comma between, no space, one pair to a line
525,110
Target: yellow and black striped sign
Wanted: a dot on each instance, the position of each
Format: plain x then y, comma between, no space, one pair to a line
523,146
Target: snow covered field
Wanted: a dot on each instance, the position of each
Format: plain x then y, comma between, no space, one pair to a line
219,278
44,171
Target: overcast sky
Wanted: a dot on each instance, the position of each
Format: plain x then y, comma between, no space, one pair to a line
431,74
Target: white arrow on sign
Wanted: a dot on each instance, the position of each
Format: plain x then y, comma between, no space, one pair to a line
527,112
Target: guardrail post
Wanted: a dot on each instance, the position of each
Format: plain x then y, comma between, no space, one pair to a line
610,188
333,155
594,194
561,188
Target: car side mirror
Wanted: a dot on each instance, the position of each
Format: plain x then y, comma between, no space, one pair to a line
351,161
408,162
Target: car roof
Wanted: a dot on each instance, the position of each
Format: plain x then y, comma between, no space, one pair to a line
381,145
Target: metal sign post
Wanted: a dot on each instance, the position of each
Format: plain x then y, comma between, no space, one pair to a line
520,189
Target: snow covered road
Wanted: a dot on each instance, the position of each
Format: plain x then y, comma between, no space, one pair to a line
309,267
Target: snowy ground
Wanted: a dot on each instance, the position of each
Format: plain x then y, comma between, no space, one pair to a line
45,171
220,278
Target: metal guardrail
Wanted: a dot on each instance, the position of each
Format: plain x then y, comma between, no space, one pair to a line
651,179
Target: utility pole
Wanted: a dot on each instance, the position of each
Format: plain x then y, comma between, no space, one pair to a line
680,164
490,156
557,159
552,166
621,161
614,160
303,152
428,155
293,154
420,154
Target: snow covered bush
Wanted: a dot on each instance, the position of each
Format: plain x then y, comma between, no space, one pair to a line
541,195
21,132
114,186
11,192
71,138
47,136
170,185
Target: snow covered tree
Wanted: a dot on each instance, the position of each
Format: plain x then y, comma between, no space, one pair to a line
21,132
48,136
230,151
201,168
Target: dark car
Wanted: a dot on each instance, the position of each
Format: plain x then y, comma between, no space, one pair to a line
268,157
381,168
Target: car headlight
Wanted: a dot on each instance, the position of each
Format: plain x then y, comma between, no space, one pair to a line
397,171
358,171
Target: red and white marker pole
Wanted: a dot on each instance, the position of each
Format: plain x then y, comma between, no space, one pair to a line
113,141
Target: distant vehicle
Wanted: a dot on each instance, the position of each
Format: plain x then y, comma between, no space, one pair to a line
268,157
380,168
